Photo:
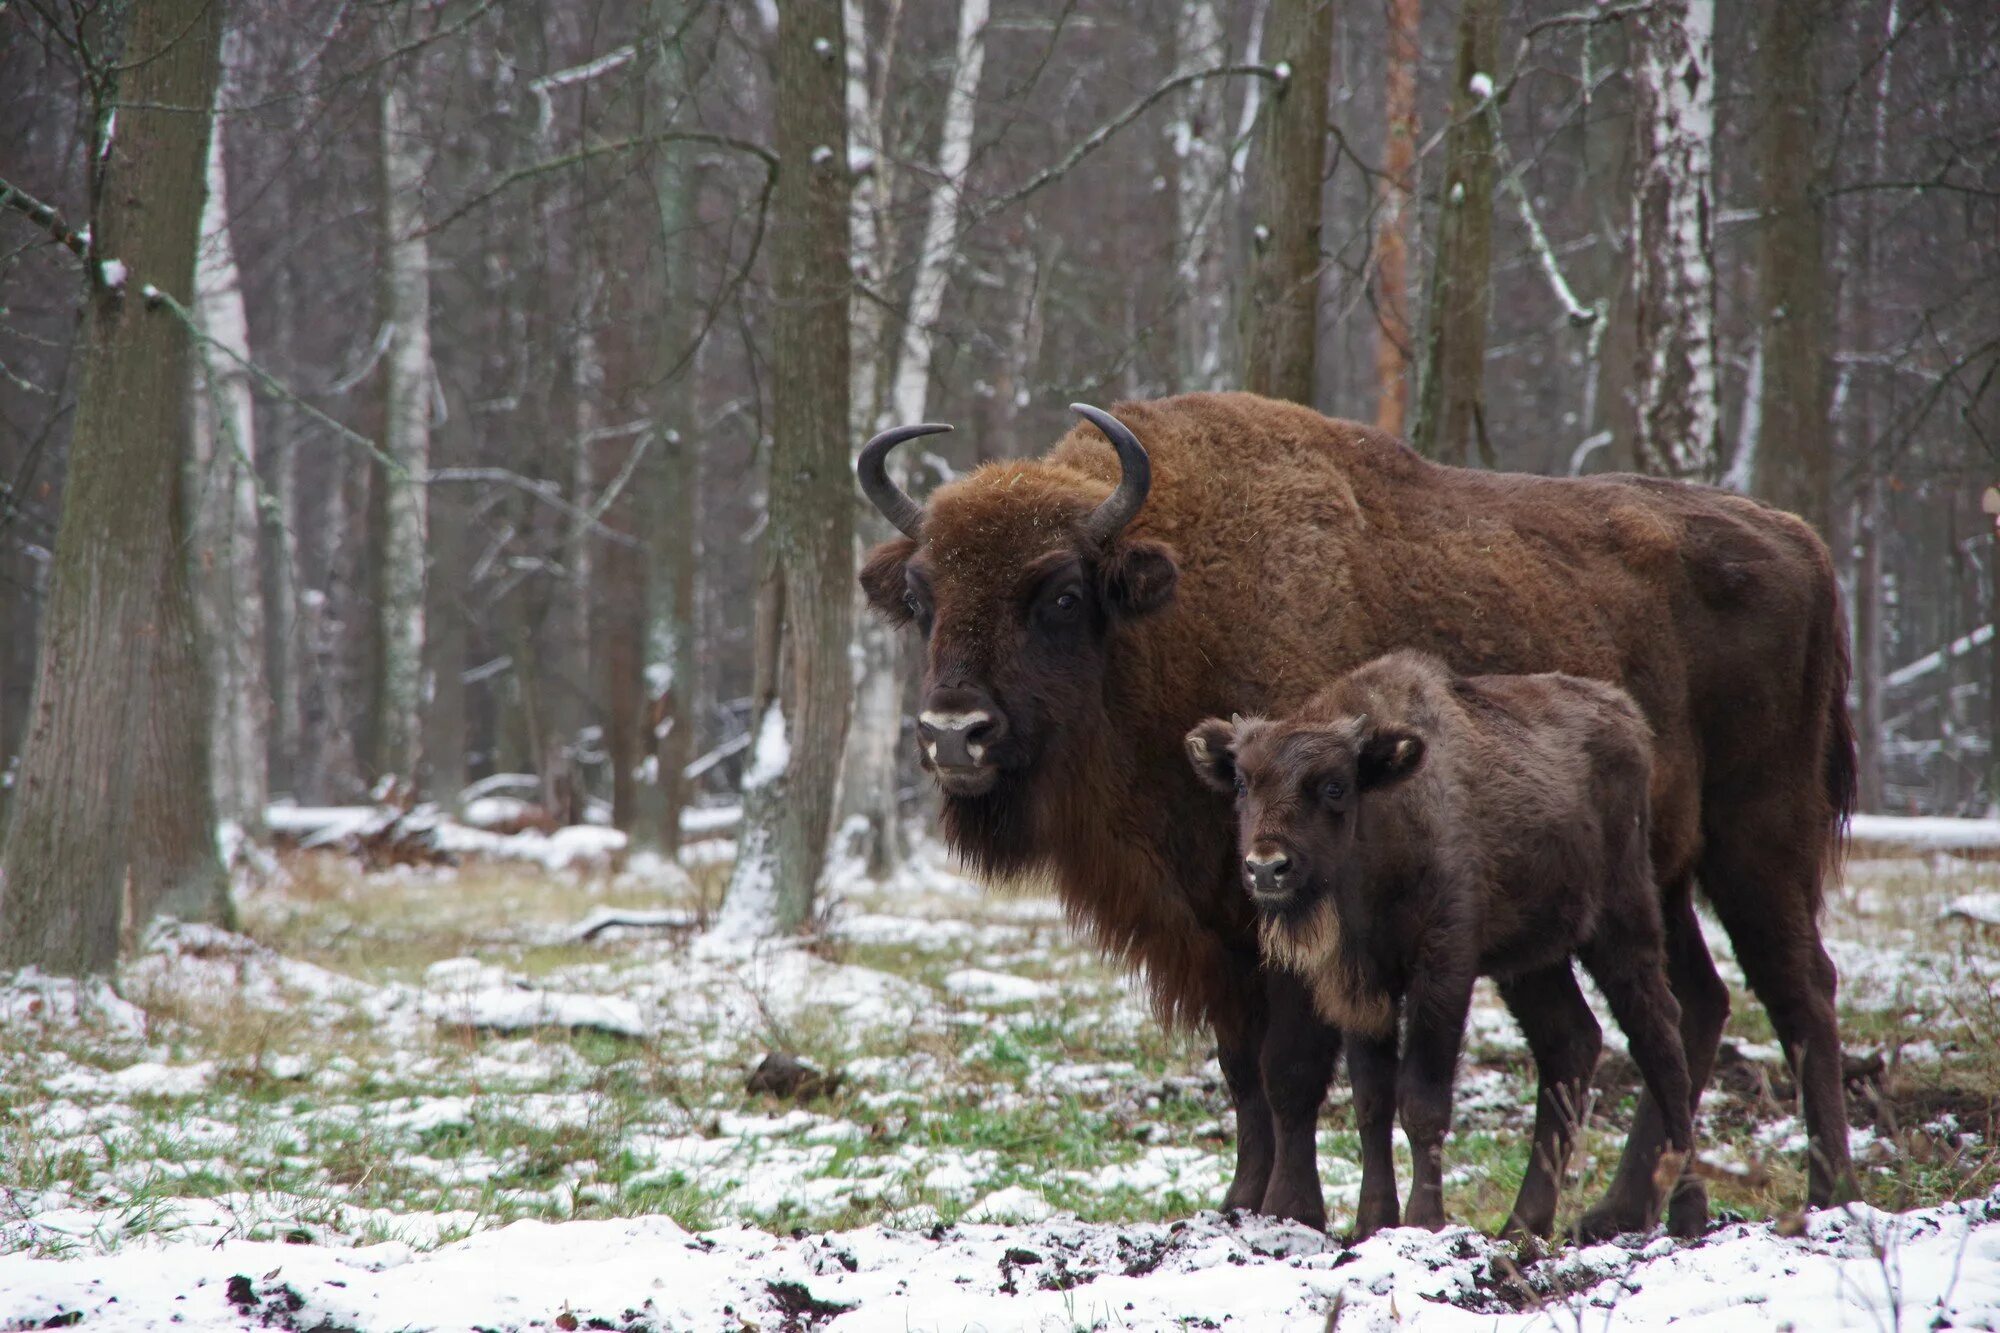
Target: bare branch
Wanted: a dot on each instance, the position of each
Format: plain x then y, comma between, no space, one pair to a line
46,217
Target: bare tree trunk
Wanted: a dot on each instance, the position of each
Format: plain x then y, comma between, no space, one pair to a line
1451,386
869,786
1793,459
227,523
62,871
1673,117
1871,512
1392,242
176,870
672,475
1281,298
797,758
1201,263
284,632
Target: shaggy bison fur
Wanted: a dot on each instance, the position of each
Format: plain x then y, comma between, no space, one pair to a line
1407,831
1080,611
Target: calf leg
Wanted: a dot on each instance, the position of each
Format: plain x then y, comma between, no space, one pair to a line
1436,1029
1371,1069
1298,1057
1562,1034
1704,1004
1239,1041
1764,883
1626,960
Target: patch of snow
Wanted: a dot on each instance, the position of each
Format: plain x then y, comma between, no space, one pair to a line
774,751
1480,85
1930,832
982,987
113,272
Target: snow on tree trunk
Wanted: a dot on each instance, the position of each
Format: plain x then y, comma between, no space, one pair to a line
406,434
1392,242
786,821
1451,386
869,772
226,553
1200,239
1281,296
63,867
1673,116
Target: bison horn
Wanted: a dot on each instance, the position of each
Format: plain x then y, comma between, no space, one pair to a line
871,467
1135,476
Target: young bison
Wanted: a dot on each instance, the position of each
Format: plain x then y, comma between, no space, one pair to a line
1408,831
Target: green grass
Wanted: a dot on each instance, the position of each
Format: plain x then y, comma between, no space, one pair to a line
306,1127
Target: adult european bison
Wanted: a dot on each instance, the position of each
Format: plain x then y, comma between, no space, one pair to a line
1408,831
1081,611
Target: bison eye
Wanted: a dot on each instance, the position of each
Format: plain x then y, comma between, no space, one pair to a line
1069,601
1332,789
912,605
1242,787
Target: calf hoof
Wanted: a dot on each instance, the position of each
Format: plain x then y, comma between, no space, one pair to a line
1244,1195
1371,1216
1290,1203
1526,1232
1687,1210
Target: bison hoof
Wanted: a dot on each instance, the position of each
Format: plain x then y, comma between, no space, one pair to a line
1687,1210
1613,1217
1295,1205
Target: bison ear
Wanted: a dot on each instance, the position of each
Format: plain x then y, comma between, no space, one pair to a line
1139,577
882,579
1389,755
1211,748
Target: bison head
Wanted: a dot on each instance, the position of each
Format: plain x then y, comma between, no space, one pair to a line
1299,788
1018,577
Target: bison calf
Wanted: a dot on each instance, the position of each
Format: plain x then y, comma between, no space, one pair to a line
1409,830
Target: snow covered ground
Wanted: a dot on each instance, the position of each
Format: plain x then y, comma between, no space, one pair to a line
448,1098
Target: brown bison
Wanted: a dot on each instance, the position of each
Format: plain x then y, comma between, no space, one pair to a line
1082,610
1408,831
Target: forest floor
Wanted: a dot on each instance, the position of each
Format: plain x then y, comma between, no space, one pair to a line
433,1098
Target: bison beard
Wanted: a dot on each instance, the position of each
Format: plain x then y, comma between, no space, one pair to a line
1278,549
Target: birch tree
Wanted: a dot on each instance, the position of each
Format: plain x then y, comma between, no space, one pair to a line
227,518
407,422
788,804
1392,242
63,867
1201,196
1452,375
1673,118
869,778
1281,296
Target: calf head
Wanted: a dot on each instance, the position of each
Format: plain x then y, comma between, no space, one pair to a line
1018,577
1300,787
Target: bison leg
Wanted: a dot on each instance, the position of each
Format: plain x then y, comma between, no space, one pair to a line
1298,1058
1563,1035
1239,1041
1765,890
1704,1002
1371,1069
1626,960
1434,1032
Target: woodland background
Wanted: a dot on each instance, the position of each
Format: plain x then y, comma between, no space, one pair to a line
405,401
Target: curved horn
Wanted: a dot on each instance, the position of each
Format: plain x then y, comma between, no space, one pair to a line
1135,479
872,470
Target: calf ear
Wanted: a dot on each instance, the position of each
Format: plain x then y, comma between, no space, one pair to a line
1211,748
1139,577
1387,757
882,579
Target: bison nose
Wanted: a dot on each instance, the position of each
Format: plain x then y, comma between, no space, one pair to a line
959,738
1269,873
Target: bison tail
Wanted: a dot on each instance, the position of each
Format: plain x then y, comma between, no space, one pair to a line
1842,764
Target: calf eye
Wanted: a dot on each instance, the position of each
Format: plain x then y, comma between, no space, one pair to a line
1332,789
1067,602
1242,787
911,604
